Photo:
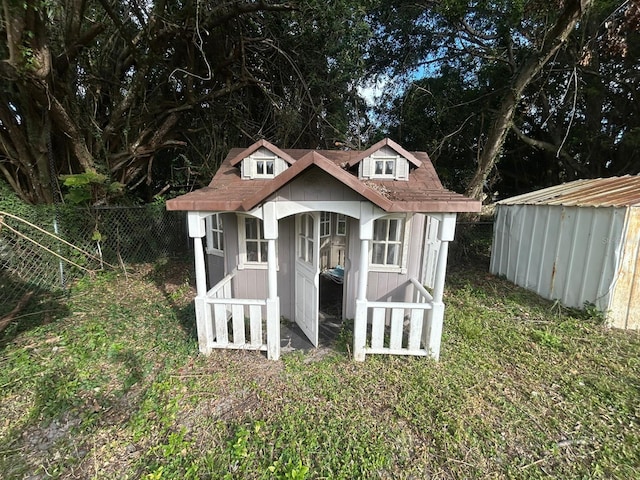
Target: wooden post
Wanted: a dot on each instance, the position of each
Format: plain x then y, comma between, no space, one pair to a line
203,311
270,222
435,316
360,322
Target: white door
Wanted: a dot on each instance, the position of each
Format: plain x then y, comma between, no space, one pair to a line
307,274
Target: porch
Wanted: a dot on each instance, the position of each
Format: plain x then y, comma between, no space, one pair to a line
230,315
390,328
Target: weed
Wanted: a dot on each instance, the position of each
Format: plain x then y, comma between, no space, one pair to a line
546,338
288,470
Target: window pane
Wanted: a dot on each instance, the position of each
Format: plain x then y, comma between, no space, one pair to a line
378,254
378,168
341,228
263,251
252,251
380,230
251,228
310,251
260,167
269,167
394,229
392,254
301,247
220,241
310,223
388,168
325,224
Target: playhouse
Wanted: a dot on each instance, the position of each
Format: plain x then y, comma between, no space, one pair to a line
273,221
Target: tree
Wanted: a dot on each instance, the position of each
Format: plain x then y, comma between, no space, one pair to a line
142,92
586,118
513,40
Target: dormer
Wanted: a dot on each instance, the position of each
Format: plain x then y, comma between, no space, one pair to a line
386,160
262,160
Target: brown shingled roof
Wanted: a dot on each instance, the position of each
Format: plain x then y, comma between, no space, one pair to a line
423,192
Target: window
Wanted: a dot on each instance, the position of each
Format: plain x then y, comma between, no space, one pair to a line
253,246
387,246
341,224
384,167
325,224
215,234
305,239
264,167
262,164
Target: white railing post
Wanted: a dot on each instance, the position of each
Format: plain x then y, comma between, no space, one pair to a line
270,222
433,331
360,322
203,311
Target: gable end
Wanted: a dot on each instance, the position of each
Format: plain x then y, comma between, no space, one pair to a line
384,164
262,163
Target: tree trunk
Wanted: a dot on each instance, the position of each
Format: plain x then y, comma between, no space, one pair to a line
498,131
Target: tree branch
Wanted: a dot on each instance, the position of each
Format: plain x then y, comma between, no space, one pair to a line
551,148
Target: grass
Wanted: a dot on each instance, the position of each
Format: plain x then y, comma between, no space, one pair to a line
109,384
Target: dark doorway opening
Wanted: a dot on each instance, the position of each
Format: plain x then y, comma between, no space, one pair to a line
330,305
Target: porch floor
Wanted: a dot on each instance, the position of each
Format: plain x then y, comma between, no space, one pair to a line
293,339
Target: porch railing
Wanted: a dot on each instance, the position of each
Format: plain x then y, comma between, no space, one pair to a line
400,328
233,323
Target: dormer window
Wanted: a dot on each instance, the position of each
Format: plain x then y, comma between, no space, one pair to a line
386,160
384,164
262,163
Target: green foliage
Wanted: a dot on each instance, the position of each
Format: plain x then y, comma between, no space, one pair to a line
90,188
458,61
288,471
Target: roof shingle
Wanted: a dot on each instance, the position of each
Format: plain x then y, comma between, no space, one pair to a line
423,192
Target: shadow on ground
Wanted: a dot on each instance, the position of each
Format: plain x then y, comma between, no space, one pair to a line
24,306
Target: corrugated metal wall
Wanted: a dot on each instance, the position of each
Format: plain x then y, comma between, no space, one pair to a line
566,253
624,309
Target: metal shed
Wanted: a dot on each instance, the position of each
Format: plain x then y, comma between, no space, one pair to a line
577,243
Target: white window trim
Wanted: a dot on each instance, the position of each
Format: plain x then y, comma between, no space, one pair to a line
302,237
326,223
263,158
243,263
402,268
341,218
210,224
384,159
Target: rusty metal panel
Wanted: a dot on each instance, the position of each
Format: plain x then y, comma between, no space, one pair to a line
624,309
600,192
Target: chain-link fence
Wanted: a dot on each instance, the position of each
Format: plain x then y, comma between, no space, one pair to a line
45,249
